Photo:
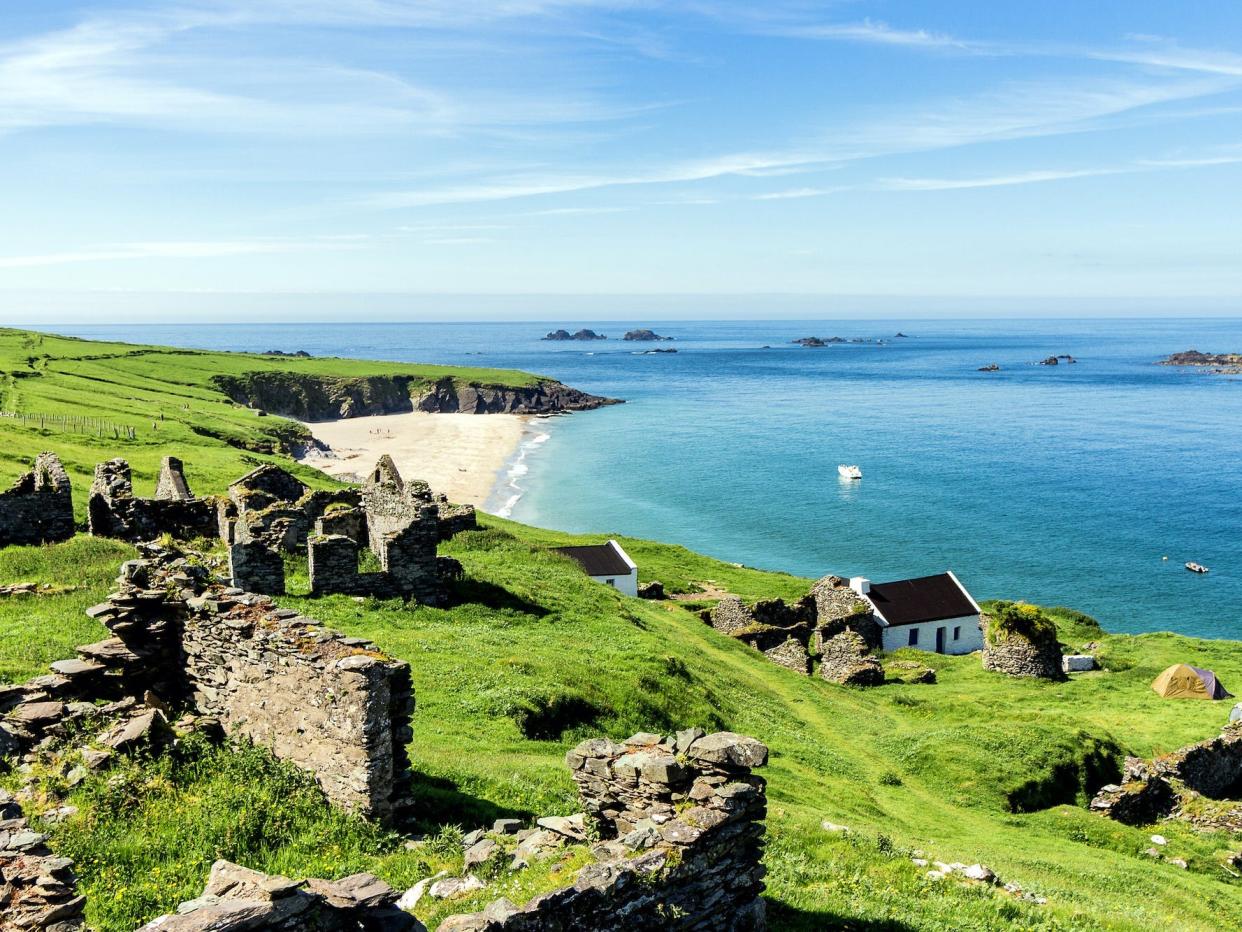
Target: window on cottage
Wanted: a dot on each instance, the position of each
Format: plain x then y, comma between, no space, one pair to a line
957,633
914,636
611,582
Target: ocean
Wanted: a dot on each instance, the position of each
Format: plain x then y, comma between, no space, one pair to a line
1065,484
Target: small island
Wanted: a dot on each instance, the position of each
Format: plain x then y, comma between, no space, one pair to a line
817,341
1217,363
1056,360
643,336
583,334
990,367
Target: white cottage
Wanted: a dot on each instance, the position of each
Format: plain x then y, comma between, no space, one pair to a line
933,613
606,563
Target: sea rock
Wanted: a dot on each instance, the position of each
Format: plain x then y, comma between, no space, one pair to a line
643,336
583,334
990,367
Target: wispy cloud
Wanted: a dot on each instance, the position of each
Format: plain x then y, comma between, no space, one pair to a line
180,250
1229,156
872,32
994,181
795,193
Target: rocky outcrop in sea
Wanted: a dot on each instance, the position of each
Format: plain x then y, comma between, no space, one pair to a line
583,334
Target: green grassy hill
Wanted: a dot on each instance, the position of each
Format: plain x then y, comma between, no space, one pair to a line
977,767
169,399
534,656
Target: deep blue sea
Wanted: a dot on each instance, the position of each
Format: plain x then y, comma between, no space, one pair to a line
1062,485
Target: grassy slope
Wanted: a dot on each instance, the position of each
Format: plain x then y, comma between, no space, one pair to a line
136,386
907,767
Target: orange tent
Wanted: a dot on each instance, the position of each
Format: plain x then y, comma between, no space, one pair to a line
1182,681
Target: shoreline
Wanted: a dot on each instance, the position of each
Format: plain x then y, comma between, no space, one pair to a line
467,457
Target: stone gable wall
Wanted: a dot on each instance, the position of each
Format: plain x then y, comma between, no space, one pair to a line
38,508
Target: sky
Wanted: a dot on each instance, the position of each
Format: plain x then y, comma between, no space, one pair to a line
545,158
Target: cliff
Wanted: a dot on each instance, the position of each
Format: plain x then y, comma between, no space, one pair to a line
310,397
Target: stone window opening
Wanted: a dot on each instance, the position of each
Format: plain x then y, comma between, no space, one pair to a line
914,637
957,632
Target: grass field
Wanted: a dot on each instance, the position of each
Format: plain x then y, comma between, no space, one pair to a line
167,398
976,767
534,656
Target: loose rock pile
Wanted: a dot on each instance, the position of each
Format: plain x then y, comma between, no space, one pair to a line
237,899
38,890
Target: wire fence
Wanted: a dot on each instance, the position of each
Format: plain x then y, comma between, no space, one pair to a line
72,423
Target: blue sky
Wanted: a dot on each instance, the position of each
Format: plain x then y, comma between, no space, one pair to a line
1048,157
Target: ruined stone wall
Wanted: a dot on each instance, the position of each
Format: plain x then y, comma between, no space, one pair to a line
331,704
113,511
38,508
839,608
682,820
845,660
1016,655
255,567
1210,771
337,709
38,890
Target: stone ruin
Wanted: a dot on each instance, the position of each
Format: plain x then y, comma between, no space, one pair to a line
831,621
681,823
1208,773
845,659
237,898
330,704
1016,654
113,511
270,512
38,508
38,890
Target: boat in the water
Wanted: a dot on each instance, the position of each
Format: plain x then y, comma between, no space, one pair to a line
1196,567
849,472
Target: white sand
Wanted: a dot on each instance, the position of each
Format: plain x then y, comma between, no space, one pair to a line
460,455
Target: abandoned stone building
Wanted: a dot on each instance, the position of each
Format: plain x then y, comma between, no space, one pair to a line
38,508
113,510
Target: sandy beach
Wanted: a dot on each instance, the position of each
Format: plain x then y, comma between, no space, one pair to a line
460,455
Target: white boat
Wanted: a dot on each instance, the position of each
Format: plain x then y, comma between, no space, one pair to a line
849,472
1196,567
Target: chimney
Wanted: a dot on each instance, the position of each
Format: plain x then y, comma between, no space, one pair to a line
860,584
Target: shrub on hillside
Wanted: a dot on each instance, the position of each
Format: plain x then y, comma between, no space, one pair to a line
1022,619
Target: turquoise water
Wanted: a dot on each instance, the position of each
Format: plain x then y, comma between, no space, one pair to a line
1063,484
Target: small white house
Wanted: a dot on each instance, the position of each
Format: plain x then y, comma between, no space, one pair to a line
933,613
606,563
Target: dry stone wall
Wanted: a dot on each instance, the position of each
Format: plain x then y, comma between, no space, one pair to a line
38,508
682,823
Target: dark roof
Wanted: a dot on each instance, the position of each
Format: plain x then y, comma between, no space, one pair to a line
598,559
928,598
